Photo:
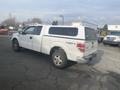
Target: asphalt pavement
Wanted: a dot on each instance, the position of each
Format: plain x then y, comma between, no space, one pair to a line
29,70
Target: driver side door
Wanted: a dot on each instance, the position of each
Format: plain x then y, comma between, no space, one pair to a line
26,37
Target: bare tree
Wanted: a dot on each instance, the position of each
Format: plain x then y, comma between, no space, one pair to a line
32,21
55,22
36,20
26,22
9,22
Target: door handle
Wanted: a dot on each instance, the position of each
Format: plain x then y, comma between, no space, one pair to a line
30,37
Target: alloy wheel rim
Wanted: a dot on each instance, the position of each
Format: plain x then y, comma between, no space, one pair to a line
57,60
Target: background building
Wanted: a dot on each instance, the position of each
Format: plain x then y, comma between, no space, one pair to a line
114,29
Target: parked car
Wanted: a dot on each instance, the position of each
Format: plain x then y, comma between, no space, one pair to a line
112,39
3,31
62,43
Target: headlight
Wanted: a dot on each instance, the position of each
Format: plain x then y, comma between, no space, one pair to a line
105,38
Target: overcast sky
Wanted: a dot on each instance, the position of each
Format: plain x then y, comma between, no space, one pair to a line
97,11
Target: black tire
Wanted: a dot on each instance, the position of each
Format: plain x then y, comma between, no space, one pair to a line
15,45
59,59
104,43
119,45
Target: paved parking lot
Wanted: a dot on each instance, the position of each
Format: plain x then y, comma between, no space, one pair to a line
108,59
28,70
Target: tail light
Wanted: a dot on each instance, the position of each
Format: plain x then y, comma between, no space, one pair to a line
81,47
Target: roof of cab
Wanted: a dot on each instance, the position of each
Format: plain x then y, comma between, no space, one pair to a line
74,24
51,25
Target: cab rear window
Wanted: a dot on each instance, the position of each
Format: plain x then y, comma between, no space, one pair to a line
66,31
90,34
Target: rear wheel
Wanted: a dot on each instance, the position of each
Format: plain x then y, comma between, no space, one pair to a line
59,59
15,45
104,43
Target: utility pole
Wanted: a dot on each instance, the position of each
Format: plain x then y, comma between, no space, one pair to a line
62,17
10,15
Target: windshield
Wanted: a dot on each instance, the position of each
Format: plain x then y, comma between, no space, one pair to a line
115,33
90,34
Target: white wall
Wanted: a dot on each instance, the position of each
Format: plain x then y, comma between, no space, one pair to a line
114,27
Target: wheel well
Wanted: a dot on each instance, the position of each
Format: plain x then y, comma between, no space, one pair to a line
56,48
53,50
14,39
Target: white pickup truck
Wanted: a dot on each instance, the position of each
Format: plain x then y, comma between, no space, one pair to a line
63,43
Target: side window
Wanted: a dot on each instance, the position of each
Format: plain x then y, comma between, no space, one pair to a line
90,34
37,30
67,31
29,30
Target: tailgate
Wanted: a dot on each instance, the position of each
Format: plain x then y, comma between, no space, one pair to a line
90,47
91,41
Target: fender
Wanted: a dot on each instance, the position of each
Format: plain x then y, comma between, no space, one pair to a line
15,36
57,44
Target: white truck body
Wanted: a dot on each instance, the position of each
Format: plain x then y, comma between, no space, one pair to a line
78,48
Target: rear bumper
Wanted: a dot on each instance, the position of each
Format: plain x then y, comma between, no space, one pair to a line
86,59
111,42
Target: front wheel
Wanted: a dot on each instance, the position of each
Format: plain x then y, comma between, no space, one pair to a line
15,45
119,44
104,43
59,59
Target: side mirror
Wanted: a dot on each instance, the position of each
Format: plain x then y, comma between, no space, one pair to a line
20,32
23,33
